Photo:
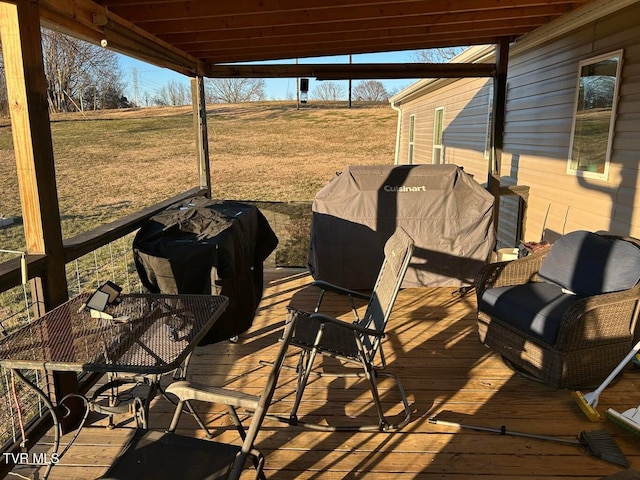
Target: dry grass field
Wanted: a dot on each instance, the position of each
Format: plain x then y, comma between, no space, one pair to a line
109,164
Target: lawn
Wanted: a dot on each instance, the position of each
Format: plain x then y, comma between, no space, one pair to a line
109,164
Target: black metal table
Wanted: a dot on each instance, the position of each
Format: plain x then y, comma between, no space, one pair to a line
148,334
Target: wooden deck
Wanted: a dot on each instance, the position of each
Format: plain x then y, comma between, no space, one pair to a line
432,344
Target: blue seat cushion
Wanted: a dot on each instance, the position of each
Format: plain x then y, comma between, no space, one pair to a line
590,264
533,308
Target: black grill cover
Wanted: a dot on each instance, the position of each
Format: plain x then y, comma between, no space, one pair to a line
447,213
204,246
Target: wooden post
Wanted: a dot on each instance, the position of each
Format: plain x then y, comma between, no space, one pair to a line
27,95
497,126
199,103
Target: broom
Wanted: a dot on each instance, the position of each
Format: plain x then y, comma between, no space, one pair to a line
629,419
588,402
598,443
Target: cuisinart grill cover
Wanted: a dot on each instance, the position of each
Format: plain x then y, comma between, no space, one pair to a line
447,213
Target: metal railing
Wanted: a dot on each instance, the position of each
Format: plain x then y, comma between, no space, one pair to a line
93,257
19,406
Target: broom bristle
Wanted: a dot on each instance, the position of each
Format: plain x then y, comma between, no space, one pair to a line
602,445
591,413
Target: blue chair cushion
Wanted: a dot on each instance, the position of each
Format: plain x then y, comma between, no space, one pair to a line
533,308
589,264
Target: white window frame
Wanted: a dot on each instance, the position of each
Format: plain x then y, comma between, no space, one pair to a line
584,173
438,147
487,141
412,136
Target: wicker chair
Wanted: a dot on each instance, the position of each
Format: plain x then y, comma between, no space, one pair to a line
565,315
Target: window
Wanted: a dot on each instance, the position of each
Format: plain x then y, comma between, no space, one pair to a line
438,125
594,116
412,132
487,141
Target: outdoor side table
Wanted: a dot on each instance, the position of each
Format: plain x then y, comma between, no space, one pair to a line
149,334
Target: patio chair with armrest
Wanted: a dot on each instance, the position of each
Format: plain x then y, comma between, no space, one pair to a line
359,342
155,454
565,315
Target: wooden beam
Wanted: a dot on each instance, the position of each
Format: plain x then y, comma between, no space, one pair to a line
130,40
11,274
435,23
27,95
360,33
27,92
199,103
255,53
497,125
91,240
243,14
90,21
356,71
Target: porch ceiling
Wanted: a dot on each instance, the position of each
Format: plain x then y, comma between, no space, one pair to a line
196,35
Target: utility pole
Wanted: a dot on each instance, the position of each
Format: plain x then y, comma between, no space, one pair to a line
134,74
297,90
350,83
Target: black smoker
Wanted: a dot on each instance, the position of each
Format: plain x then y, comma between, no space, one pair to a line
203,246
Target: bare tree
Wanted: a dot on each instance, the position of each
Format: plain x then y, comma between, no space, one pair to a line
328,91
370,91
235,90
173,93
79,74
437,55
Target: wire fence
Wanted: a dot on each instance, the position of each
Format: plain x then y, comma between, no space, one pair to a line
20,406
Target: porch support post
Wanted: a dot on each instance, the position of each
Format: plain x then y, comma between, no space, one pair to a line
200,125
497,126
27,95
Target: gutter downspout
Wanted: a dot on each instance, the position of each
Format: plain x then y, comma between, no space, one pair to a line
398,130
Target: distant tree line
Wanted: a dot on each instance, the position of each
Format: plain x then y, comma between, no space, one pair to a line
364,91
82,76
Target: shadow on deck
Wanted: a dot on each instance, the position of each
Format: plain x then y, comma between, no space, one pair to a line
432,345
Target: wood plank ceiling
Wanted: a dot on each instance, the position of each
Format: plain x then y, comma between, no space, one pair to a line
196,35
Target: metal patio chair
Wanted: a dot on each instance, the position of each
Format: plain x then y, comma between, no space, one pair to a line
359,342
159,454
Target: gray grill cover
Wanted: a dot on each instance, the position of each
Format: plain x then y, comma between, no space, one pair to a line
448,214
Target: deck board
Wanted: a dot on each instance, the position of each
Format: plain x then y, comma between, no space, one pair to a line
432,345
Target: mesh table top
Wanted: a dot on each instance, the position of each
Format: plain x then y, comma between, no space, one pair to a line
151,333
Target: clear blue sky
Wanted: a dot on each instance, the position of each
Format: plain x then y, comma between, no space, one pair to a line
151,78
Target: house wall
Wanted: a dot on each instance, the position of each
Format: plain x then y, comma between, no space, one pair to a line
465,125
541,89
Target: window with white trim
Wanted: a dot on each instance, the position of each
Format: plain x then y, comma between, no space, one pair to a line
438,128
487,141
594,115
412,132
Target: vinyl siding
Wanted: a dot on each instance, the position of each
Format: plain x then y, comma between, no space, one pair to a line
541,88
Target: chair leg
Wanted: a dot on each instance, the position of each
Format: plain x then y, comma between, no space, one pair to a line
370,373
305,364
256,457
403,397
176,416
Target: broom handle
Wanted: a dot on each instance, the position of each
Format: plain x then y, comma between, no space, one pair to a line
503,431
617,370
